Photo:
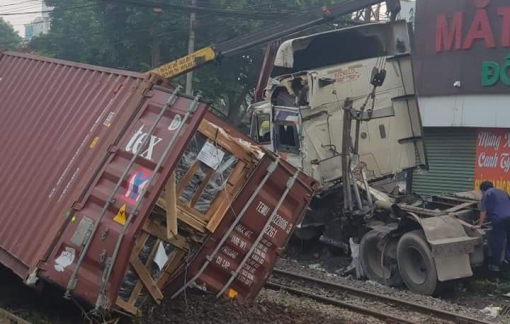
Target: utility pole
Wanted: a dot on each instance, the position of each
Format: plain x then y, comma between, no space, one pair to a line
191,46
155,53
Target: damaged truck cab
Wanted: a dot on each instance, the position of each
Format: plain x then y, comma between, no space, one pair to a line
342,107
303,117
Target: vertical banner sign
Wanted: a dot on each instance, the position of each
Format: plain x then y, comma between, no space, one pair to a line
493,158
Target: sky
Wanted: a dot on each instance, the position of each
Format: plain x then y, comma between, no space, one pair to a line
19,6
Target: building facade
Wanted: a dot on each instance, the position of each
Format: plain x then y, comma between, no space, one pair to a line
462,62
40,25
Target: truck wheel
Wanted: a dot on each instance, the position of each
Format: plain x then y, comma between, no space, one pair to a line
387,273
416,264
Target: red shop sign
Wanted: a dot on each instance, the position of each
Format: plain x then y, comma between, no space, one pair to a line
493,157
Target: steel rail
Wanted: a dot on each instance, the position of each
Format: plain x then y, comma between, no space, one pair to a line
446,315
11,317
336,302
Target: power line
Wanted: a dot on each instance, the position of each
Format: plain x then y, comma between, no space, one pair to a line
17,4
251,14
21,9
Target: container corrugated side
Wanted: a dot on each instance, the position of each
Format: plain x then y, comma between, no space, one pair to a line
51,113
98,181
238,257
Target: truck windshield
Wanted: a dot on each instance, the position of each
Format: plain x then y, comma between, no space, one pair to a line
288,140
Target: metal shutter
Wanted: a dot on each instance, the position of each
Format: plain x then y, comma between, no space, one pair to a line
452,154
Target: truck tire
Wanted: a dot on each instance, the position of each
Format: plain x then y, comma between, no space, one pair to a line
416,264
370,258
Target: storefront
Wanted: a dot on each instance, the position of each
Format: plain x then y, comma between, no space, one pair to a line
463,82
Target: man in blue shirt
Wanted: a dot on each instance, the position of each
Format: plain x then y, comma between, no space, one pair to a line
495,207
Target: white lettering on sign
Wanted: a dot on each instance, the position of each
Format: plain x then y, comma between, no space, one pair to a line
262,208
254,264
505,162
257,259
280,222
135,143
271,232
230,252
262,247
266,243
485,161
488,139
260,253
236,240
243,230
249,268
225,264
247,274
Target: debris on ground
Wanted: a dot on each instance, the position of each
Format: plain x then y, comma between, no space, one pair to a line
271,307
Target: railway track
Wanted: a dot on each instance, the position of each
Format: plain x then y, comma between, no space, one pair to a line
351,298
9,318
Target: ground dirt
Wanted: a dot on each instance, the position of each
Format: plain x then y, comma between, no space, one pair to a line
271,307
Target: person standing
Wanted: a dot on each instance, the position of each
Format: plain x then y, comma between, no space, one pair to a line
495,207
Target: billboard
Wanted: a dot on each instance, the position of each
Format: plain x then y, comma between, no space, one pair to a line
463,47
493,157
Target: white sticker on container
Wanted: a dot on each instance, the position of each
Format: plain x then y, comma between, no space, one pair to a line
211,156
65,259
161,258
175,123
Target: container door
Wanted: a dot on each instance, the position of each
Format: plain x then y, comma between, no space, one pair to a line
92,255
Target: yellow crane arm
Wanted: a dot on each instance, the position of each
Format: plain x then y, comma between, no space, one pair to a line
187,63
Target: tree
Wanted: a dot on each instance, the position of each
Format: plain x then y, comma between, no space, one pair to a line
9,38
130,34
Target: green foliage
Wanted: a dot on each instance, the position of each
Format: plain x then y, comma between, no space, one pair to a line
9,39
115,34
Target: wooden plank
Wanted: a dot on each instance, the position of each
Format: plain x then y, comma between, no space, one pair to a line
171,267
131,309
222,203
171,208
208,175
146,279
192,212
191,221
186,215
187,177
233,178
227,142
159,231
140,243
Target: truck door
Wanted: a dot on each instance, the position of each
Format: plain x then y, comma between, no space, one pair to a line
261,129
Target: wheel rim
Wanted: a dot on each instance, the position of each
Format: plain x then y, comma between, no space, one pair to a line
374,261
415,266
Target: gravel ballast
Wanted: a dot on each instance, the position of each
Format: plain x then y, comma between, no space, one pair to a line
320,273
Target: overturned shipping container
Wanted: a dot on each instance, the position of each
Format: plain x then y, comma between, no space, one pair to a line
114,184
